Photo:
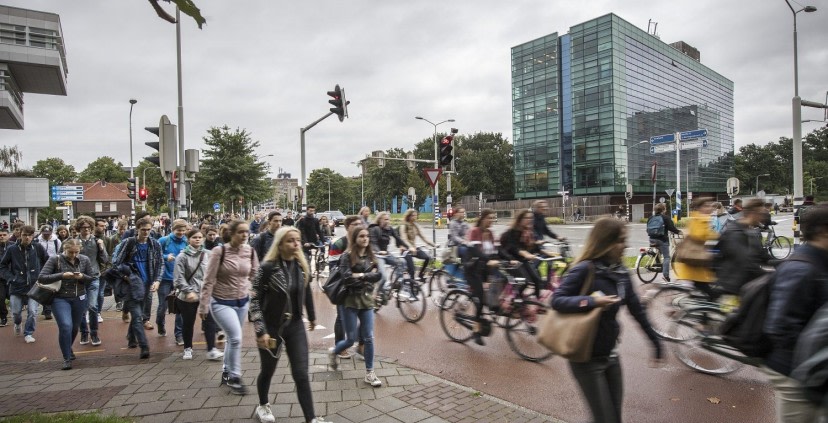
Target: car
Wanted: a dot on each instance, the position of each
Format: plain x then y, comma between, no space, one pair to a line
336,216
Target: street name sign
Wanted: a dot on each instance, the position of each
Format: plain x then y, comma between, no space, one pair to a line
662,139
694,144
689,135
662,148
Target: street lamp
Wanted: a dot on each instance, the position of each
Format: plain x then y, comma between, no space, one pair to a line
362,172
132,102
797,110
436,203
329,191
757,181
812,183
687,182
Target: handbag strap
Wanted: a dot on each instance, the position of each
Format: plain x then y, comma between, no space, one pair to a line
587,286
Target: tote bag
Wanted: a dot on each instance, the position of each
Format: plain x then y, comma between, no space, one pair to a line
572,335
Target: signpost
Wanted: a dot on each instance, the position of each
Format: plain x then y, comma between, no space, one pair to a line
628,195
564,196
67,193
678,141
732,188
216,207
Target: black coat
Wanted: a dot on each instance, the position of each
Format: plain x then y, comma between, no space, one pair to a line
270,301
740,257
20,266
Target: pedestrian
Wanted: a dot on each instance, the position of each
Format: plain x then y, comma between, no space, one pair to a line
95,251
337,248
49,242
171,245
741,254
75,271
662,242
263,242
213,240
20,267
308,226
325,228
699,230
4,289
288,221
226,295
62,233
279,290
736,209
188,276
142,253
719,217
364,214
359,274
601,260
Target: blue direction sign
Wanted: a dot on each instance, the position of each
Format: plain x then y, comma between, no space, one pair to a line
216,207
689,135
662,139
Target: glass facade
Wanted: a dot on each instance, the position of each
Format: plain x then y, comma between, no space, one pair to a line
619,86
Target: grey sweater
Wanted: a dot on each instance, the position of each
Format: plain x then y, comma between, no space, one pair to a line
187,263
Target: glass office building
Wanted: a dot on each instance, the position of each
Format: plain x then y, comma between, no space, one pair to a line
584,103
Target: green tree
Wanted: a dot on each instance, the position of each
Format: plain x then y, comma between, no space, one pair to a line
104,169
187,7
485,163
157,198
55,170
230,172
10,159
341,190
383,184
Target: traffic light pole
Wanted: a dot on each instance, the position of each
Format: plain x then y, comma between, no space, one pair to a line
181,162
302,151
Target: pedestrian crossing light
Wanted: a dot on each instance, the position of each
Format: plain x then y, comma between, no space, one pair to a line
142,194
131,184
167,146
340,105
446,150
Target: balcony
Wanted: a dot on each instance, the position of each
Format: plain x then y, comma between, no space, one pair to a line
32,48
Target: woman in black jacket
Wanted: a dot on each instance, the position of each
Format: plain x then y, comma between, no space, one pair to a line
518,244
74,271
359,273
600,378
279,289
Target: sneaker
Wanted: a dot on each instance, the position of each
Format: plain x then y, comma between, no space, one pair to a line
29,339
162,331
16,329
144,353
264,414
100,318
84,339
236,386
220,336
125,316
3,322
148,325
372,379
47,316
332,359
215,354
319,420
665,279
188,354
67,365
345,355
225,377
178,339
96,340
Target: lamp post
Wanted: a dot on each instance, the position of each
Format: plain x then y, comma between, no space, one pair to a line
436,202
757,181
797,110
687,183
132,102
329,191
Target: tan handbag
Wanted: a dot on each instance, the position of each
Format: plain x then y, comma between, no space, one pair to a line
693,252
572,335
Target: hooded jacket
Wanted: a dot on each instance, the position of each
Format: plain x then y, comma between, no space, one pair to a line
193,263
20,266
170,244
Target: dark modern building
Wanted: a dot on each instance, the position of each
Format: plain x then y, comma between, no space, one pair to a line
32,60
584,103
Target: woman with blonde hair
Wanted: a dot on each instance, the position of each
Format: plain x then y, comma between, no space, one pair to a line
601,264
409,232
364,214
279,289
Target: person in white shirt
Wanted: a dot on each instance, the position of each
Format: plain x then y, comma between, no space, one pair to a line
49,242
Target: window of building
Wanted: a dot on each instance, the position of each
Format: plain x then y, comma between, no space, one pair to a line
98,207
113,206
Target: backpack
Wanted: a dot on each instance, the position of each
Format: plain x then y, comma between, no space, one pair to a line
655,226
744,328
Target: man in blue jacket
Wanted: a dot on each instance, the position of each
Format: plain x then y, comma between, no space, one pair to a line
19,267
171,246
800,289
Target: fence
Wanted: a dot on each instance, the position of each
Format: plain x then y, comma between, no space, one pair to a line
591,209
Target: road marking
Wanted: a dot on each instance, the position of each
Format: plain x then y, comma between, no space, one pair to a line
90,351
328,336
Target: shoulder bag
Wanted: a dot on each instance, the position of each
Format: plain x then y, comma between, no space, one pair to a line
44,293
335,288
172,306
572,335
692,252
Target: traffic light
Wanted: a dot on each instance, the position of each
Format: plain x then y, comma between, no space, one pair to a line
132,183
142,194
167,146
446,148
340,105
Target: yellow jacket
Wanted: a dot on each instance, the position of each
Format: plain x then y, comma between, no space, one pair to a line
698,228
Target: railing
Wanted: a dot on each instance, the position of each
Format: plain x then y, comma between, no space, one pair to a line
33,37
7,84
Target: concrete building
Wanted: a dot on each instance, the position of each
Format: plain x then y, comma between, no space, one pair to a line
20,198
32,60
583,102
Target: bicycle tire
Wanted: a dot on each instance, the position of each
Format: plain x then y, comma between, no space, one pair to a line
412,308
692,352
522,332
661,311
457,314
646,267
780,248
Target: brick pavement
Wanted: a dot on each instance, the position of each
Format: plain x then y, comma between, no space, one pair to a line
168,389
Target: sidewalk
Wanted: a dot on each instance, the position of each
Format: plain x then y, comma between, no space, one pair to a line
168,389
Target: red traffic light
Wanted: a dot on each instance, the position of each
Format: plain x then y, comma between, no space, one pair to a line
142,194
447,140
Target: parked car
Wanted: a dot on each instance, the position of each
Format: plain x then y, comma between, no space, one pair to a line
336,216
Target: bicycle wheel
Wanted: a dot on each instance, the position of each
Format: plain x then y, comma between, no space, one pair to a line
442,281
648,266
522,332
696,326
780,248
457,313
662,311
411,302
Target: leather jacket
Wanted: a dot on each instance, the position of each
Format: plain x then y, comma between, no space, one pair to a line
271,307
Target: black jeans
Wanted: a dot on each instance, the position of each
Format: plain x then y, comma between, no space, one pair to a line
409,261
602,384
188,314
296,347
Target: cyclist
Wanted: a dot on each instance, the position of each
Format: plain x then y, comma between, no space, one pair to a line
661,241
381,235
456,242
409,232
518,244
741,253
540,209
483,257
699,231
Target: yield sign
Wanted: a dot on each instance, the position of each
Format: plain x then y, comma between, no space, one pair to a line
433,175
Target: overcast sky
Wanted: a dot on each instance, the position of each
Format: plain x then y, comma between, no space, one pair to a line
265,66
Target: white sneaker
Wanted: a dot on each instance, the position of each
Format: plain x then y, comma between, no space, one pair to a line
29,339
188,354
319,420
100,318
332,359
372,379
264,414
215,354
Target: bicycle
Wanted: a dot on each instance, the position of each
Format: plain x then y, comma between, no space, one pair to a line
649,263
779,247
319,253
517,315
444,279
409,295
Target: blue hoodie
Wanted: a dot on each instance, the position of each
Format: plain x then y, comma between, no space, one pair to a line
170,244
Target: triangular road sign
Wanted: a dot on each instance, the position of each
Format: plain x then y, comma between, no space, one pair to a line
433,175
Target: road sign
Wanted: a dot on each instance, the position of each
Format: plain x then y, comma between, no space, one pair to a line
433,175
662,148
693,144
689,135
732,186
689,196
669,192
662,139
216,207
67,188
68,198
662,199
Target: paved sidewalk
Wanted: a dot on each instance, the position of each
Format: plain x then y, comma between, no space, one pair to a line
168,389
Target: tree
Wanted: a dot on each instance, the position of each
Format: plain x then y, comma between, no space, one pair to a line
55,170
230,172
187,7
157,200
10,159
341,190
383,184
485,163
104,169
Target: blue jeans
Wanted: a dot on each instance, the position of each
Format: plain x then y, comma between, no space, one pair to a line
16,304
136,325
92,299
68,314
664,247
101,291
363,331
383,263
164,289
230,319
